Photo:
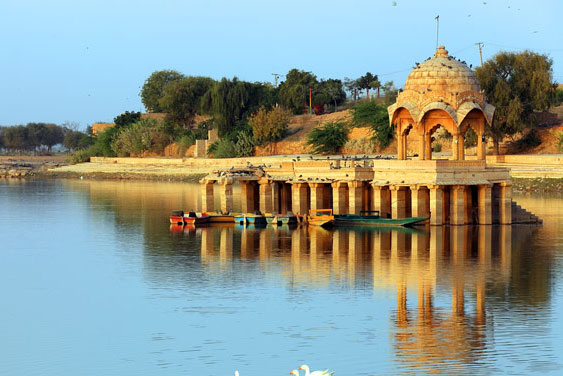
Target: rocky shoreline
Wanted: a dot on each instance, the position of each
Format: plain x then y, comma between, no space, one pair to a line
28,166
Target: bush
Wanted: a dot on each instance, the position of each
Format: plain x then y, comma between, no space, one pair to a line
470,138
437,147
185,142
268,126
360,146
328,138
244,147
138,138
376,117
223,148
528,141
559,135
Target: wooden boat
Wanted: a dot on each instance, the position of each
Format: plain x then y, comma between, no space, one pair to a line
217,217
273,220
177,218
320,217
372,218
193,218
288,219
250,219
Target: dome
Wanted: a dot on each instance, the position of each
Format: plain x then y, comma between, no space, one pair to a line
442,73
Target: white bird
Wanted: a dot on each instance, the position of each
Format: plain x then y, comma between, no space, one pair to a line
236,373
315,373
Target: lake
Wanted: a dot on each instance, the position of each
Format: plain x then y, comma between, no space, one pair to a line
94,281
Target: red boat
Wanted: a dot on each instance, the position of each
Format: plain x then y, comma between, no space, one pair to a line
177,218
193,218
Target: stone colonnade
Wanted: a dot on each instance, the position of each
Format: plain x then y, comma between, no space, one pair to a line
443,204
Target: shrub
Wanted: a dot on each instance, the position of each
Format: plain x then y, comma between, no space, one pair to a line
470,138
437,147
376,117
244,147
223,148
328,138
138,138
185,142
268,126
360,146
528,141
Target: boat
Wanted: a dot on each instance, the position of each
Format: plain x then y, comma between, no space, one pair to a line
372,218
273,220
193,218
219,217
177,218
288,219
250,219
320,217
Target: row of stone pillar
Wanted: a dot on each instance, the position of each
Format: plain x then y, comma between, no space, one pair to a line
442,204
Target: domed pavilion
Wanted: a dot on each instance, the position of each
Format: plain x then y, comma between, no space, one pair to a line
441,91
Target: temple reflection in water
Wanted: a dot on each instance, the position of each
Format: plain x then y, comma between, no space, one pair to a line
440,274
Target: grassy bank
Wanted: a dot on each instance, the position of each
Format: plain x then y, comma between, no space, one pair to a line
538,184
188,178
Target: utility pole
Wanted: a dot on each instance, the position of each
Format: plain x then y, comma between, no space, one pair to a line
480,44
437,29
276,76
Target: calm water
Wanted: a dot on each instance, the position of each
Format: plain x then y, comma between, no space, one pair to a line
93,281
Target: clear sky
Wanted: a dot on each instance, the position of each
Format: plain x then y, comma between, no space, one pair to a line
86,60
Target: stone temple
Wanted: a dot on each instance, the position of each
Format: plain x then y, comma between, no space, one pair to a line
440,92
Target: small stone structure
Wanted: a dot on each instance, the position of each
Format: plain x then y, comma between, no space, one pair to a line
439,92
201,146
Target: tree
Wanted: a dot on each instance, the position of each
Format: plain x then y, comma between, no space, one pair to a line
368,81
352,86
16,138
374,116
390,91
75,140
37,134
332,90
153,88
516,84
126,118
182,99
294,91
328,138
269,126
54,136
227,100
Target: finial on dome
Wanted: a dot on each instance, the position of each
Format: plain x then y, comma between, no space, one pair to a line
441,52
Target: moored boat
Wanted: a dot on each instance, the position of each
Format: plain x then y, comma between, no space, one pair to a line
194,218
218,217
372,218
177,217
320,217
250,219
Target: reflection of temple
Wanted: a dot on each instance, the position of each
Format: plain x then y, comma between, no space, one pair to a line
458,263
439,93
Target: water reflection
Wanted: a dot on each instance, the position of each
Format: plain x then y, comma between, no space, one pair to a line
461,264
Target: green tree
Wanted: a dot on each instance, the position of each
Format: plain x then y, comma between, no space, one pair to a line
2,144
390,92
333,91
269,126
139,137
294,91
37,134
227,101
517,84
76,140
368,81
126,119
54,136
369,114
153,88
182,99
329,138
352,86
16,138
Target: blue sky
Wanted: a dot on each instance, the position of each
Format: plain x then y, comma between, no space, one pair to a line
85,61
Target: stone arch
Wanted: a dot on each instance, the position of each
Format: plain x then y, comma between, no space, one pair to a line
435,117
404,110
438,106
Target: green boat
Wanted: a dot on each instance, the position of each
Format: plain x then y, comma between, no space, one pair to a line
372,218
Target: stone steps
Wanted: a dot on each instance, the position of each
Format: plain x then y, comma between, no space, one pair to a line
521,215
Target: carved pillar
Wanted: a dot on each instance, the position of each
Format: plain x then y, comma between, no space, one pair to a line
381,200
339,198
436,203
457,205
355,196
461,148
484,203
226,192
317,195
207,197
455,147
265,196
398,201
505,202
428,145
299,199
420,201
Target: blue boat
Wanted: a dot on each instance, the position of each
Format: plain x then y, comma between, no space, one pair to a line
250,219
